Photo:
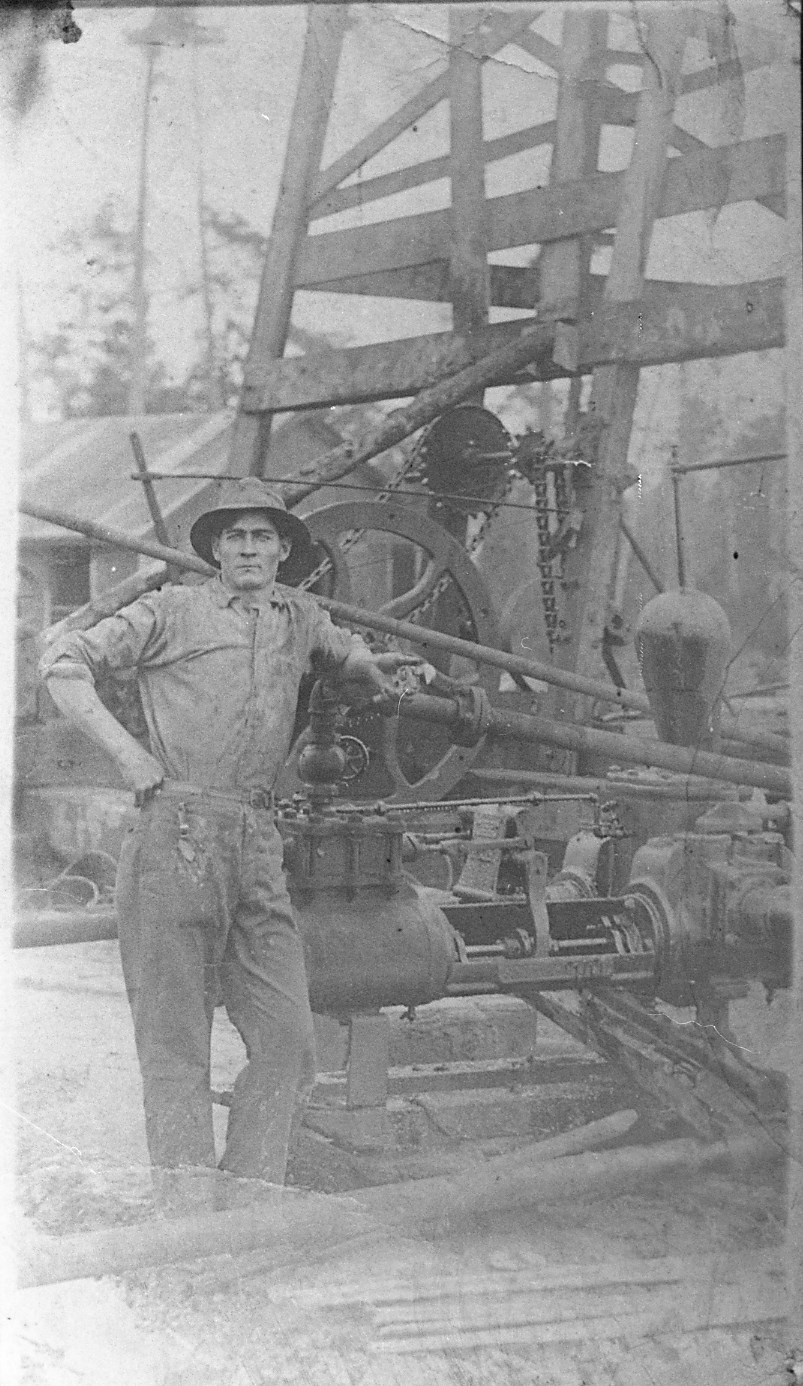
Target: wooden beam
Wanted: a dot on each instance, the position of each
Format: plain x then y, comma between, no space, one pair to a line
512,286
497,33
565,264
469,288
794,548
590,569
326,27
414,175
620,109
672,322
708,178
547,53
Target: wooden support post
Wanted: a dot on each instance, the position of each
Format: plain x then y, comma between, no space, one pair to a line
365,1122
326,27
565,265
794,436
590,570
468,262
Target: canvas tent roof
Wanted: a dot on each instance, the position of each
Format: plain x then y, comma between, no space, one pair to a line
85,466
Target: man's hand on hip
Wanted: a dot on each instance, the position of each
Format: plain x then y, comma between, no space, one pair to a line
140,770
77,700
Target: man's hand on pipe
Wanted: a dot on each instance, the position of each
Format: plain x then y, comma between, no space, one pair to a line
374,672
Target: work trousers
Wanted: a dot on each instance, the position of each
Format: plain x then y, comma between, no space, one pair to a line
204,915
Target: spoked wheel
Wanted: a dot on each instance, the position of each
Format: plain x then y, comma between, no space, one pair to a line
443,591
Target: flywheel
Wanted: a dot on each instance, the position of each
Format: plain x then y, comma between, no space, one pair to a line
389,557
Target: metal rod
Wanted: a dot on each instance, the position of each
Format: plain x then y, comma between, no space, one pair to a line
352,486
678,530
690,790
684,467
681,759
536,799
143,475
640,555
116,538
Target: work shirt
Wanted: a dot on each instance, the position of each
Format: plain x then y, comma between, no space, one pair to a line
218,677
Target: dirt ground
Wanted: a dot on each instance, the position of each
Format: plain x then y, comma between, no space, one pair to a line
354,1314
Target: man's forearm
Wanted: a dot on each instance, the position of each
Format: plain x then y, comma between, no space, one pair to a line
77,700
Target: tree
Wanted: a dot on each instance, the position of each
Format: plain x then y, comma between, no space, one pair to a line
82,365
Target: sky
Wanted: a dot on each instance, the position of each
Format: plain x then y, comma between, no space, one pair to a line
226,106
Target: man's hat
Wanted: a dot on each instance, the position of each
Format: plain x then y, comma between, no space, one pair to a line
249,493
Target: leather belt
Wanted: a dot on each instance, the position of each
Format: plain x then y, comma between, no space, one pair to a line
255,798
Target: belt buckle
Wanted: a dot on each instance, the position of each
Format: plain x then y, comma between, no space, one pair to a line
260,799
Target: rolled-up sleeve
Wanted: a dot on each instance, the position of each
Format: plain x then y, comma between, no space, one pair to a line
331,645
122,641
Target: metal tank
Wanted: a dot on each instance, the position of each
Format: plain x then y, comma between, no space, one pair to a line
683,641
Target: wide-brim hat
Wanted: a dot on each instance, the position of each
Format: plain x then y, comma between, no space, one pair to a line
249,493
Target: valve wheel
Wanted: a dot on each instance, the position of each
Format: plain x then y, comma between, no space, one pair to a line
442,560
358,758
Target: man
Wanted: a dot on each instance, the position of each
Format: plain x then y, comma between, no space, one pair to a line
201,897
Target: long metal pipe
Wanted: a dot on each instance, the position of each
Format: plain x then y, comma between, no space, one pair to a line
683,468
424,638
689,790
633,750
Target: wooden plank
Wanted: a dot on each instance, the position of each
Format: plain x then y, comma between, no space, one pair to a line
620,109
794,541
683,322
708,178
496,34
590,569
565,264
414,175
326,27
469,288
538,47
512,286
707,76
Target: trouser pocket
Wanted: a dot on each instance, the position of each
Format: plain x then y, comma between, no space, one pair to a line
186,862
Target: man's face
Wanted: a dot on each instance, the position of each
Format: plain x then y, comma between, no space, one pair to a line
249,550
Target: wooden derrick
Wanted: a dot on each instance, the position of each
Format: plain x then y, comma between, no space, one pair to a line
326,28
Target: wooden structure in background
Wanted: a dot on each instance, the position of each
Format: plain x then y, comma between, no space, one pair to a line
623,322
